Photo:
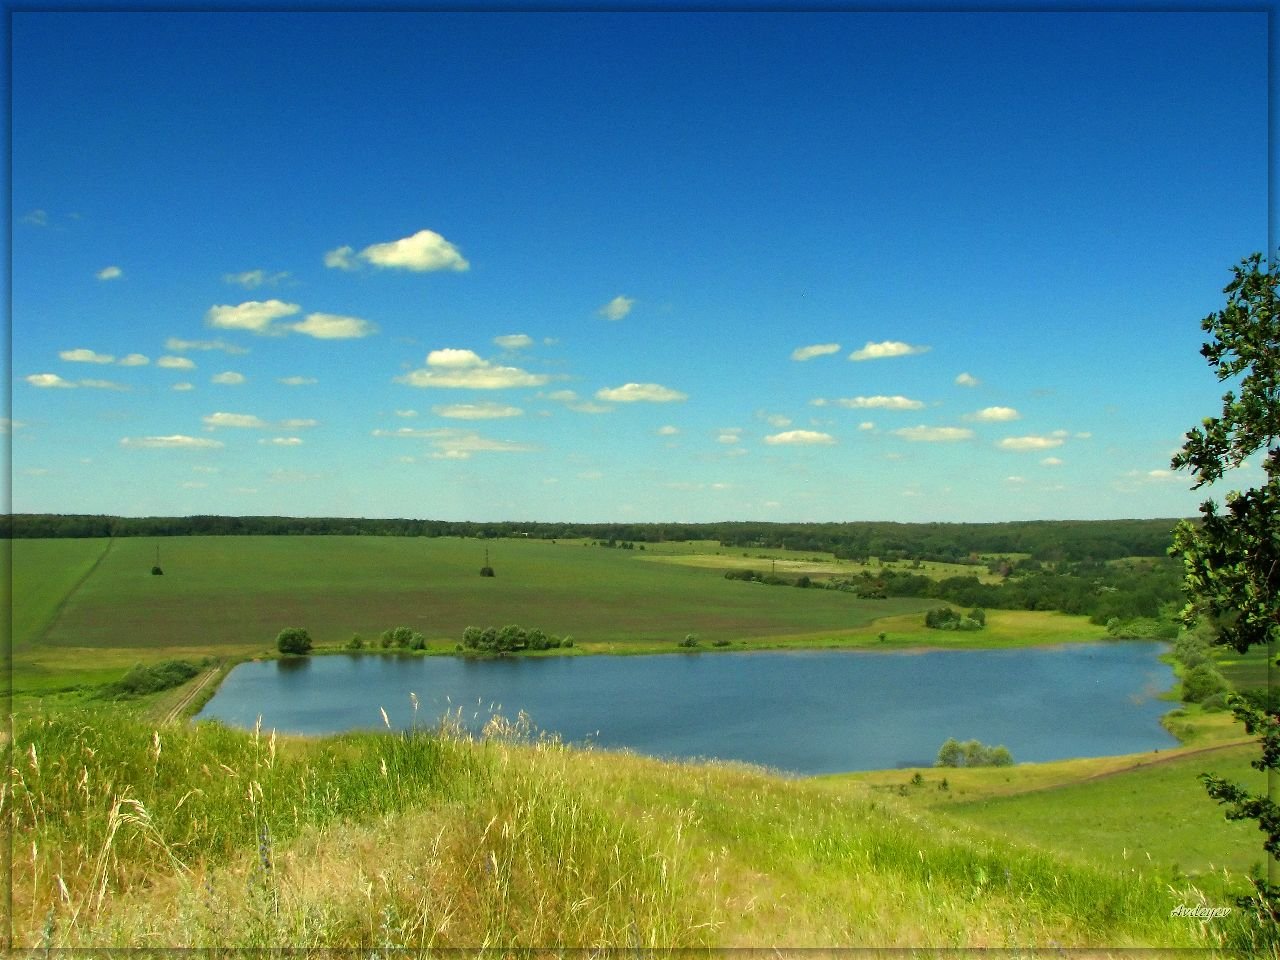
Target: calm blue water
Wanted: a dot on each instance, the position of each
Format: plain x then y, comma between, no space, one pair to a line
805,712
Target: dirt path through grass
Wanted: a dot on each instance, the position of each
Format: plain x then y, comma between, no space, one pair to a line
205,679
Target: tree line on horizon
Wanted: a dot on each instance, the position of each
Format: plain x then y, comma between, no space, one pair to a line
1042,540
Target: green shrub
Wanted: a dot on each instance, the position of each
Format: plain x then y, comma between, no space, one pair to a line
690,640
142,680
1202,682
293,640
972,753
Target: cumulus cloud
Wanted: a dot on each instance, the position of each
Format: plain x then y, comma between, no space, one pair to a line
477,411
640,392
329,326
995,414
1052,462
227,378
299,423
182,387
134,360
815,350
241,420
799,437
924,434
967,380
886,348
109,273
464,369
617,308
252,279
877,402
181,346
730,435
297,381
175,363
341,259
777,420
451,444
1030,443
283,441
255,316
668,431
44,380
102,384
177,442
81,355
425,251
514,341
406,413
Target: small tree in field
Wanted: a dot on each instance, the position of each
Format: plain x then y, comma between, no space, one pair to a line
293,640
1231,560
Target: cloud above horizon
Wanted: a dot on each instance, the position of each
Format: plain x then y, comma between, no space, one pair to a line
1030,443
455,368
176,441
923,434
800,438
815,350
617,308
887,348
640,393
424,252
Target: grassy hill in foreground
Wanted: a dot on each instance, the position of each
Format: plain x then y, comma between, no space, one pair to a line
209,837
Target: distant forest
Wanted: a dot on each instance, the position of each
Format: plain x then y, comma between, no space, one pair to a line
1042,540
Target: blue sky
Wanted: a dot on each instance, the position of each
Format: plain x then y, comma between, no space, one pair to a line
624,266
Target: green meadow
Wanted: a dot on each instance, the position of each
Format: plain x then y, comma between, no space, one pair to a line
89,607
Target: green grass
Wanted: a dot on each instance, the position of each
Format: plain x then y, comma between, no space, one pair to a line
795,563
1147,809
1245,670
44,573
208,837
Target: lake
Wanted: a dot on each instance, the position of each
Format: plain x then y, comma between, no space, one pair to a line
806,712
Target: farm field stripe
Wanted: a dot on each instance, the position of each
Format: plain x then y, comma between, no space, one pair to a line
75,588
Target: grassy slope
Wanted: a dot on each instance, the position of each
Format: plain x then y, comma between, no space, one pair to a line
208,837
1114,811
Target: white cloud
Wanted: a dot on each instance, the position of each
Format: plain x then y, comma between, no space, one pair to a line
297,381
299,423
640,392
464,369
867,425
995,414
453,358
1030,443
283,441
876,402
1016,479
255,316
799,437
227,378
1162,475
251,279
477,411
426,250
37,218
176,441
587,406
340,259
668,431
886,348
330,326
777,420
934,434
730,435
175,363
1052,462
48,380
1084,435
967,380
182,387
815,350
562,396
181,346
81,355
109,273
134,360
102,384
454,444
1061,433
242,420
406,413
617,308
514,341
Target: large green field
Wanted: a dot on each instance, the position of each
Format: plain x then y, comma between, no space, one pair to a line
87,609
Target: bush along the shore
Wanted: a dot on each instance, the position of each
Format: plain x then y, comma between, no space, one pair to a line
510,638
947,618
971,753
